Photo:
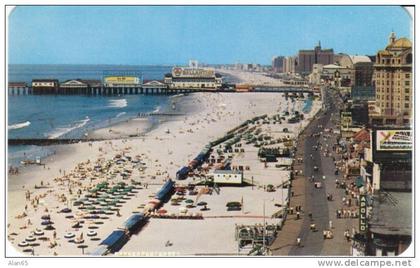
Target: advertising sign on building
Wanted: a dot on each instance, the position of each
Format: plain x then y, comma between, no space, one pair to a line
394,140
363,214
193,72
122,80
346,119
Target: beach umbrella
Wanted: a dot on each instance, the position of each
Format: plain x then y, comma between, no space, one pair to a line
65,210
45,217
183,209
82,247
46,222
23,244
49,228
202,203
38,232
189,201
30,238
77,225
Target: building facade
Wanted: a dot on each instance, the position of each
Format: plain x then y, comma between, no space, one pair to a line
307,58
277,64
45,86
122,81
362,66
393,83
289,64
193,78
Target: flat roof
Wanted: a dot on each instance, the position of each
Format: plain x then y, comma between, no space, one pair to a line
392,213
223,171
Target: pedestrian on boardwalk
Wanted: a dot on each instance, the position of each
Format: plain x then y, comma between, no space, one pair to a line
330,224
298,242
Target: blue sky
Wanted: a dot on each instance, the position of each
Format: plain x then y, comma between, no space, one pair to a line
172,35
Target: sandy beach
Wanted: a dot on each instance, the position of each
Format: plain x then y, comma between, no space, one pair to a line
251,78
159,152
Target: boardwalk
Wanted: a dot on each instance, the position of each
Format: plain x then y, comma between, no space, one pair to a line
314,201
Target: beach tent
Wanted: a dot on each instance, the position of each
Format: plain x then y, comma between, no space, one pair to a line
165,190
134,222
115,240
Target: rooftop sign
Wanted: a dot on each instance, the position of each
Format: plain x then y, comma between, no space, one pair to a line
192,72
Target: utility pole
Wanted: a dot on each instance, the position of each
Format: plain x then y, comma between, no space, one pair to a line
264,225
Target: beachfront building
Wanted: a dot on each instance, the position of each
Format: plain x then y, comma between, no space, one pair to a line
362,67
338,76
75,83
289,64
393,236
193,78
45,86
307,58
79,86
18,88
122,81
227,176
277,64
393,83
153,85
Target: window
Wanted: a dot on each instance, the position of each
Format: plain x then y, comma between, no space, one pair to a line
407,83
407,98
407,75
406,105
409,58
407,91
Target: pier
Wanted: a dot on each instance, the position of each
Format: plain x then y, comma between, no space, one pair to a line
98,91
21,88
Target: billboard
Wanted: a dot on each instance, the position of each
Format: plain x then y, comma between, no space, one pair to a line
363,224
192,72
122,80
394,140
345,119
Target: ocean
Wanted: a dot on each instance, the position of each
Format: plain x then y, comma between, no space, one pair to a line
47,116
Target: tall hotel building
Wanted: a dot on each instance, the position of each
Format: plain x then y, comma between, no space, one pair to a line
393,84
307,58
289,64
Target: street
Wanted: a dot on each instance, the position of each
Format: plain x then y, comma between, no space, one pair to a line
311,149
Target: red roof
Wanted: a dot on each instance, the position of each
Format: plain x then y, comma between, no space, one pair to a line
362,135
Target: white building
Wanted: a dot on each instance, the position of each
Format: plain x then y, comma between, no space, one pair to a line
193,78
227,176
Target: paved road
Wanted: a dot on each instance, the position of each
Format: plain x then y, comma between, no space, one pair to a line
316,199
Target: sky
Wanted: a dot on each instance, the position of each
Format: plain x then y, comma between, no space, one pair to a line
147,35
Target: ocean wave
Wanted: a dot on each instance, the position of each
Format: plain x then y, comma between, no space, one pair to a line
19,125
120,114
61,131
117,103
